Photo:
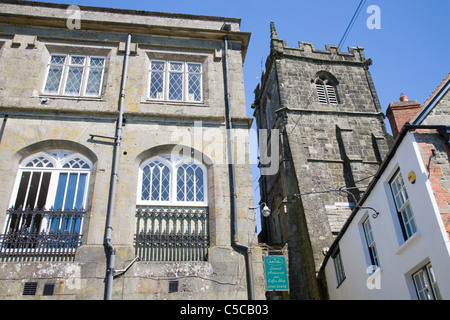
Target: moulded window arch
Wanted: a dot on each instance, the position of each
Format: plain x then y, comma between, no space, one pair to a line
172,180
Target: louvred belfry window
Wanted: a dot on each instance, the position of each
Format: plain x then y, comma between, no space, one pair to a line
326,92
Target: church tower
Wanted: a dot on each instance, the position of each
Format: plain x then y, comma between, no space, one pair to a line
322,109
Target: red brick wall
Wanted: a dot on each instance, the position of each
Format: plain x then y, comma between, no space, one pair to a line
438,171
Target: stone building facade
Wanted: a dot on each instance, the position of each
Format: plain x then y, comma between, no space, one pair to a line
85,90
322,108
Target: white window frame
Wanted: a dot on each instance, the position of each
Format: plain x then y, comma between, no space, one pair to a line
425,284
166,85
403,205
173,163
85,76
370,242
58,158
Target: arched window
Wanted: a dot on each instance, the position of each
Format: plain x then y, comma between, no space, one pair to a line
155,182
190,184
168,180
326,84
172,218
47,207
57,179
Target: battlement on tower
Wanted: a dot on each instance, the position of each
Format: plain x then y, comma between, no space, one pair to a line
306,50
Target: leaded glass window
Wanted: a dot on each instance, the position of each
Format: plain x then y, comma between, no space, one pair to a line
157,71
172,180
189,183
175,81
75,75
155,181
55,72
194,81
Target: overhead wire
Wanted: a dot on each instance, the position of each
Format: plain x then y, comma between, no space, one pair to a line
351,23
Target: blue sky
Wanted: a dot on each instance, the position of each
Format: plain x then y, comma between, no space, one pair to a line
410,52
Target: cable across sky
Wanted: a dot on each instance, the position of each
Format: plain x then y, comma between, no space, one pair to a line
351,23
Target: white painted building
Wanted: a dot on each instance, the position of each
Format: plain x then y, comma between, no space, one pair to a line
395,244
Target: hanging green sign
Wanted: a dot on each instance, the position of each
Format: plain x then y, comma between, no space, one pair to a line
276,273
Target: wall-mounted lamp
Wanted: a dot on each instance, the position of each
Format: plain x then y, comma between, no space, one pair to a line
265,210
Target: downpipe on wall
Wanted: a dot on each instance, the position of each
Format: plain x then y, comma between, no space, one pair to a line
111,250
230,148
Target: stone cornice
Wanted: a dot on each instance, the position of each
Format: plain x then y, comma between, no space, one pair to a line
95,23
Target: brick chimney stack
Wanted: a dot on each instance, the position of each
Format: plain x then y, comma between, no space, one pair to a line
400,113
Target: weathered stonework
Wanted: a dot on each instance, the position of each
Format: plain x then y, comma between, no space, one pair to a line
324,147
33,121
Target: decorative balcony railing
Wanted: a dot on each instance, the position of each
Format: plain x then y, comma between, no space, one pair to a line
172,233
41,235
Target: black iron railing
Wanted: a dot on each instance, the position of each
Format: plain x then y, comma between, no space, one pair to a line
41,235
172,233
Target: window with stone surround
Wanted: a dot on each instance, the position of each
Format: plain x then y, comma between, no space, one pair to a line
326,90
172,216
172,180
57,179
48,206
176,81
75,75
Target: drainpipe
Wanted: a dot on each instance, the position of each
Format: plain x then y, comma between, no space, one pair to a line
5,118
111,250
230,147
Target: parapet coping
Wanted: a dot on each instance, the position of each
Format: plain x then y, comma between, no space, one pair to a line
309,50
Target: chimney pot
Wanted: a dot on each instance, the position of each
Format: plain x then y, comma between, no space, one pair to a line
403,97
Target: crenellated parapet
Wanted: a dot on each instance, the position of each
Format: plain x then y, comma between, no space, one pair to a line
308,50
329,59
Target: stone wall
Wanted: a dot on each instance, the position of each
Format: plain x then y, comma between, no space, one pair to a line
36,122
323,147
